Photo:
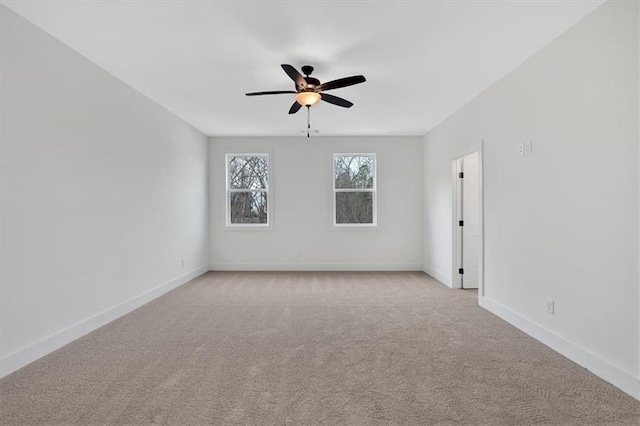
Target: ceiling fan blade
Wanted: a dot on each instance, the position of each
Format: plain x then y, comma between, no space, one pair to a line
295,76
341,82
273,92
336,100
295,107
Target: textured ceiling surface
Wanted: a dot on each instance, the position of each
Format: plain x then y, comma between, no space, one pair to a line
422,60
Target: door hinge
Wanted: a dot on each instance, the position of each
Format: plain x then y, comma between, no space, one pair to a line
461,271
461,175
461,223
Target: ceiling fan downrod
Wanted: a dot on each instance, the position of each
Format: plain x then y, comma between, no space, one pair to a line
307,70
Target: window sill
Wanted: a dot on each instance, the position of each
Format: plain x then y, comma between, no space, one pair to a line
248,228
355,227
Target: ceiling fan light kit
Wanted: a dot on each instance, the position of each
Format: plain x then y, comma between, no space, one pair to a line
309,90
308,98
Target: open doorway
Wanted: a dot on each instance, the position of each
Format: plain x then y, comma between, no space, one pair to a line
467,221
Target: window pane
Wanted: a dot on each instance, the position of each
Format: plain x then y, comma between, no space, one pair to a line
354,207
248,207
354,172
248,172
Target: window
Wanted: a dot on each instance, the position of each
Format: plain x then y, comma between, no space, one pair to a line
248,190
354,189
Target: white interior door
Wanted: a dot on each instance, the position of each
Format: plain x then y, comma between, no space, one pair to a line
471,217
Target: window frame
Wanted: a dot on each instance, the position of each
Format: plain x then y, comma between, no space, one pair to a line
373,190
229,191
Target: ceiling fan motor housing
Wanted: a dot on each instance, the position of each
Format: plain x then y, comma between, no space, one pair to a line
312,82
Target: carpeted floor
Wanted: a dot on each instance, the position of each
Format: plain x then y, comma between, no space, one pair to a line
311,348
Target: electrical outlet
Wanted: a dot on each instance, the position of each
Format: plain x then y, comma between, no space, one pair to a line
181,262
528,147
551,306
521,149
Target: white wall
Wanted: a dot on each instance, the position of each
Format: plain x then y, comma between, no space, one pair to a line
562,222
103,193
302,236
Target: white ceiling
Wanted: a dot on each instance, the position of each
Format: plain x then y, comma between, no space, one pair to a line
423,60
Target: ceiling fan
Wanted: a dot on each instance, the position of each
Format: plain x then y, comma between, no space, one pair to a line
309,91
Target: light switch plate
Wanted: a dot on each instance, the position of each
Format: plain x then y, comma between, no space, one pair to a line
528,147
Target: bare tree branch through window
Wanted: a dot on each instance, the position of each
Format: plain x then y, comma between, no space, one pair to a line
247,189
354,189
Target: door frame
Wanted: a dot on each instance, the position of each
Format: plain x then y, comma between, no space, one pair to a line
456,281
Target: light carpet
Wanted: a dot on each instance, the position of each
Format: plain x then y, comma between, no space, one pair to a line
352,348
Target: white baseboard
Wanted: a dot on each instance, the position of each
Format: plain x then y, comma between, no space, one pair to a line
598,366
444,279
315,267
22,357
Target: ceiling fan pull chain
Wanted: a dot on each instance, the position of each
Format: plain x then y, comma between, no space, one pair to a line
308,120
